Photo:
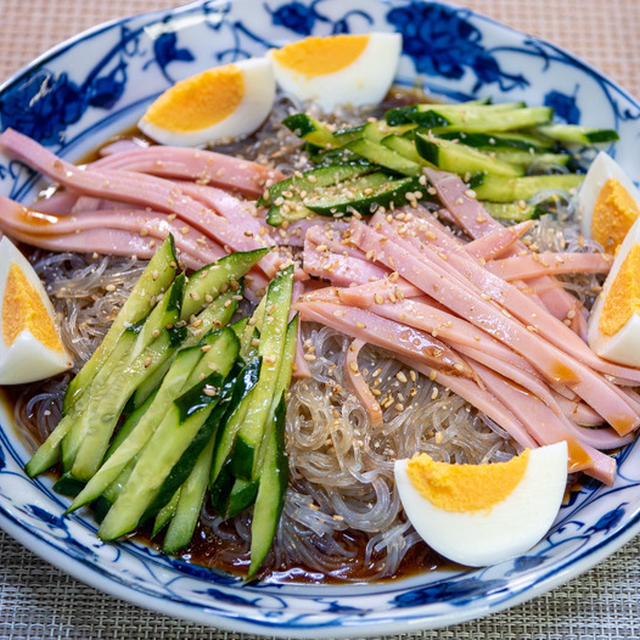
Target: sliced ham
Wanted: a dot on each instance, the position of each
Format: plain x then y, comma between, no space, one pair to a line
204,167
535,265
358,383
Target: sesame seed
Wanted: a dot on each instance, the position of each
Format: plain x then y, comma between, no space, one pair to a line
401,377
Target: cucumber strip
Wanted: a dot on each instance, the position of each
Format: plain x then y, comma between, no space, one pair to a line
187,511
165,514
274,477
458,158
239,327
90,435
253,327
67,485
526,159
108,402
220,489
364,195
311,130
155,279
385,157
116,362
286,197
149,386
212,280
378,130
48,452
129,425
481,118
242,495
494,140
501,189
513,211
158,458
185,371
404,147
575,134
272,341
446,113
235,386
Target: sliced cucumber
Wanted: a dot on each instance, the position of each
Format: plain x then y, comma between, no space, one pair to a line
155,279
286,196
526,160
272,342
364,195
165,514
444,112
165,450
458,158
513,211
498,140
405,147
473,118
174,383
243,494
575,134
187,510
385,157
274,477
501,189
311,130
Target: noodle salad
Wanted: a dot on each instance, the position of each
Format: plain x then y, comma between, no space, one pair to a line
353,338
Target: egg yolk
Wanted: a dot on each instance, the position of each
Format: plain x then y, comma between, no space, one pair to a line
623,299
465,487
319,56
200,101
22,310
613,214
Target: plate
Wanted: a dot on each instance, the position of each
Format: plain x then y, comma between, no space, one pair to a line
98,84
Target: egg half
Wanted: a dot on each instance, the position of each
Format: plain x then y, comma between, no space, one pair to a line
608,203
218,105
30,346
614,324
342,69
478,515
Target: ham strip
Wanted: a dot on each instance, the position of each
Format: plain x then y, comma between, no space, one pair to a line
358,383
535,265
545,427
434,276
140,189
498,241
204,167
339,270
373,329
471,216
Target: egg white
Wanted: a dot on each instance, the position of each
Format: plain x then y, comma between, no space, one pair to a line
508,529
256,103
364,82
624,346
27,359
602,169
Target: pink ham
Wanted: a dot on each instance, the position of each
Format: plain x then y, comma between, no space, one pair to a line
436,276
157,193
535,265
358,383
471,216
373,329
204,167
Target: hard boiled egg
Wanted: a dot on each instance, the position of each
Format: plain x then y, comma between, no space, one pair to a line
614,324
30,346
608,203
342,69
482,514
221,104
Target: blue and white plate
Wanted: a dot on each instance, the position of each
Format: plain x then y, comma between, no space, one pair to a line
98,84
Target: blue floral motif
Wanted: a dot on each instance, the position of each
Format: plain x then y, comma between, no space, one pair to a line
564,105
524,563
43,106
458,593
609,520
105,91
165,49
442,42
2,458
44,515
298,17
